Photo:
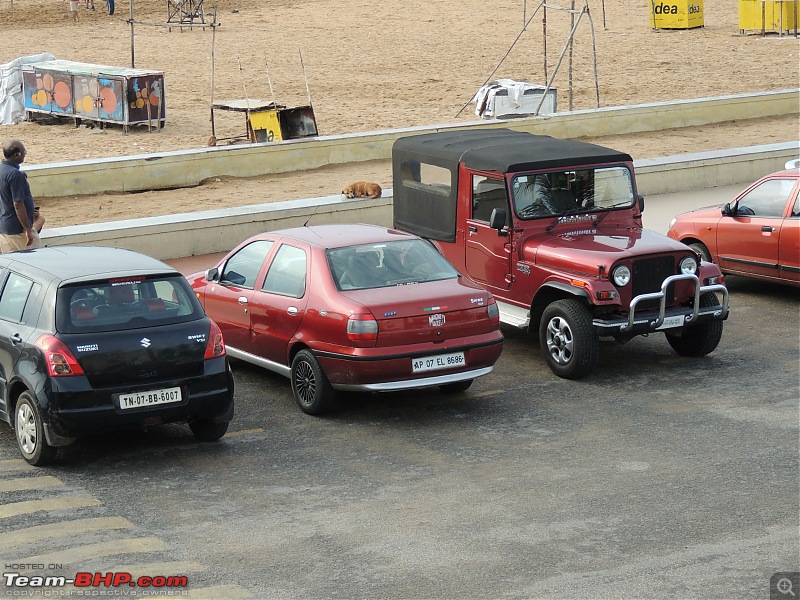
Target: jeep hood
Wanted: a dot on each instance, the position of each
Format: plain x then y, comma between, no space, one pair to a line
584,251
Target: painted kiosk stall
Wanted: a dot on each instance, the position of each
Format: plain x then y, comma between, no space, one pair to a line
93,92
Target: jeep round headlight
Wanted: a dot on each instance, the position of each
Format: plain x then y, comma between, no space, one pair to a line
621,275
689,266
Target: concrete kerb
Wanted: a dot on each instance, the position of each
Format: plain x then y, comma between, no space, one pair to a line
190,167
188,234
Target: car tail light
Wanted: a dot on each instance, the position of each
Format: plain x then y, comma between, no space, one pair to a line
60,361
362,328
494,313
216,345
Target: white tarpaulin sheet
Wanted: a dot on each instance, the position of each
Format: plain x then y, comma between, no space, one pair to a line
507,97
12,105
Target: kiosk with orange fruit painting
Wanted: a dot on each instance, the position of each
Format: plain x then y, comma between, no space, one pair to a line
98,93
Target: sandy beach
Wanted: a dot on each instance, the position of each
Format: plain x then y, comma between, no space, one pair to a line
372,66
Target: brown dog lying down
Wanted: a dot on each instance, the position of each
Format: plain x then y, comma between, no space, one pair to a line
362,189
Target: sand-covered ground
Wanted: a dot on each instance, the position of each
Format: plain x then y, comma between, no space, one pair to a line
372,66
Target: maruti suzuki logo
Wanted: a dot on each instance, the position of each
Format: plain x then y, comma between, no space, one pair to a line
145,343
436,320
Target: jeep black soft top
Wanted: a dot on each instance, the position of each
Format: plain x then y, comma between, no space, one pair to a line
500,150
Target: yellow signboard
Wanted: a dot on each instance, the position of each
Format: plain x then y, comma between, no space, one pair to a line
676,14
266,127
772,17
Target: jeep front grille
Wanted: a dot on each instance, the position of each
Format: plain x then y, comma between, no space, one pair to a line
649,273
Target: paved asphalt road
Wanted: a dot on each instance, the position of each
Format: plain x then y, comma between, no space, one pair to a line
657,477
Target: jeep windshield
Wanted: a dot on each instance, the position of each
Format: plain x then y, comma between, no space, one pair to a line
558,193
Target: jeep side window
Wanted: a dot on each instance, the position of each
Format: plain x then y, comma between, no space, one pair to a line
487,194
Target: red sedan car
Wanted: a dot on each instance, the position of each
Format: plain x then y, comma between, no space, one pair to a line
756,235
351,308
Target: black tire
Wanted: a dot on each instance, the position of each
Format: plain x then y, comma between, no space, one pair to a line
700,248
311,388
456,387
568,340
207,430
29,431
698,340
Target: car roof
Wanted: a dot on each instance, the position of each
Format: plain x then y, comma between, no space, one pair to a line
503,150
793,172
337,236
81,262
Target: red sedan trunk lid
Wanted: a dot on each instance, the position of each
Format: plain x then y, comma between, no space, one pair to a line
407,315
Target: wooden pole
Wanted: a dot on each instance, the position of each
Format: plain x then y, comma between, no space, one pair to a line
594,52
308,91
213,140
133,54
269,81
571,40
544,38
250,133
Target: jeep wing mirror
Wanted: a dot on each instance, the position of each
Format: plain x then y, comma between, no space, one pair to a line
212,274
497,220
641,203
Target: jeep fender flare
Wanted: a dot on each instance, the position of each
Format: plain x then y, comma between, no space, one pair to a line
548,293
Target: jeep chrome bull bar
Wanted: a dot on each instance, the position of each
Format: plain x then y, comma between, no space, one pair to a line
699,290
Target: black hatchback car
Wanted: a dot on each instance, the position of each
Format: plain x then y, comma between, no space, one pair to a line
99,339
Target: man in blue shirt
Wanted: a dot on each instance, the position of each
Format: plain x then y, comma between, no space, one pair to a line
16,202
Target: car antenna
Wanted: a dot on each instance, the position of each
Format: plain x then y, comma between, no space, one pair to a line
311,216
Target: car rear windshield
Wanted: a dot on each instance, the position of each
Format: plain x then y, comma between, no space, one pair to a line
387,264
125,303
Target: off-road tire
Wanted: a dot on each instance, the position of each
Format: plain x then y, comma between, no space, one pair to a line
567,339
311,388
701,339
29,431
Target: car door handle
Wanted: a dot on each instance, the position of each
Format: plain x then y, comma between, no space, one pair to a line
16,339
767,229
292,310
242,300
473,229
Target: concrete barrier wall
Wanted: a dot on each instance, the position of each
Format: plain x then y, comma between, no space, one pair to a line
700,170
188,234
190,167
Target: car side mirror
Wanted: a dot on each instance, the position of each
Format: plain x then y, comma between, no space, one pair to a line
726,210
212,274
641,203
497,220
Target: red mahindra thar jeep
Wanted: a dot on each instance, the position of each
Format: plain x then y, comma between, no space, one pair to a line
553,228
